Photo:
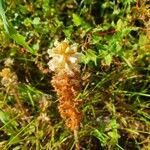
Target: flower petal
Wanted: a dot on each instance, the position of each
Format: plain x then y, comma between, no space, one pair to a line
73,59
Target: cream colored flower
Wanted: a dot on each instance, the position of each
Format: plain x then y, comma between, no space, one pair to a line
9,62
64,57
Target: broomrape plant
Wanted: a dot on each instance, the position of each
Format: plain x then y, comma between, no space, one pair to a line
9,80
66,82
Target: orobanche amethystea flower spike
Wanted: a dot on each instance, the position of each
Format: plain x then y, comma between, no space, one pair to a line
66,82
64,57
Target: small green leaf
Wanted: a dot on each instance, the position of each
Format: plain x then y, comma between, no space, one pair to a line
143,40
77,20
90,55
100,136
108,59
120,25
27,22
96,39
20,39
68,31
36,21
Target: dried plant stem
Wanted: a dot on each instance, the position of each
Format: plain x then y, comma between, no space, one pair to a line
77,144
10,82
20,105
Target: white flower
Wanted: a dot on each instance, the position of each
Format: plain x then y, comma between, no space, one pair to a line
73,59
64,57
56,43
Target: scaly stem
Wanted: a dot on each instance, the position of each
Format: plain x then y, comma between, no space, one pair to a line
76,140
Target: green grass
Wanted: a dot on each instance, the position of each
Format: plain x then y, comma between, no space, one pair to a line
114,39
